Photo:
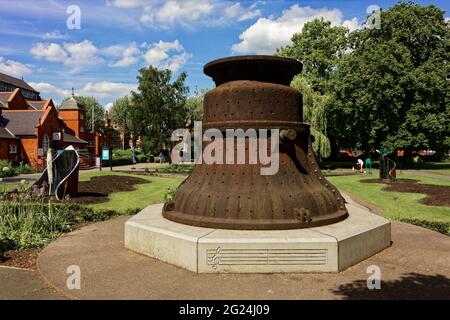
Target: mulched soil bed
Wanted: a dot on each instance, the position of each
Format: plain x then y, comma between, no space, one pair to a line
157,174
98,189
435,195
23,258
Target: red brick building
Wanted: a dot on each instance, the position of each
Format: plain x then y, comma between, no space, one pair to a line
30,125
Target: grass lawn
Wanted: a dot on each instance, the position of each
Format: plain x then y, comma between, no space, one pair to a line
434,167
144,195
395,205
440,171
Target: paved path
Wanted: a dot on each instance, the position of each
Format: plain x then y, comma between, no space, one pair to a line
415,266
23,284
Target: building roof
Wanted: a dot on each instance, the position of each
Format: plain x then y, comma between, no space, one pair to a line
5,133
37,105
22,122
72,139
19,83
4,97
70,104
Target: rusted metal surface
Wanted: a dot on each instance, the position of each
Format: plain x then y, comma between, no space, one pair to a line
254,92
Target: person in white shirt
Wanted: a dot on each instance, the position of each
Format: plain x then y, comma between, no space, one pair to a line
361,164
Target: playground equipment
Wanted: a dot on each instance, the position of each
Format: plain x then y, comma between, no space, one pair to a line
63,178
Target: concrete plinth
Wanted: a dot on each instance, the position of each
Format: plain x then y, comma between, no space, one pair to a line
330,248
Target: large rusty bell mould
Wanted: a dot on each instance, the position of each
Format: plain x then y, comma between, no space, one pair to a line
254,92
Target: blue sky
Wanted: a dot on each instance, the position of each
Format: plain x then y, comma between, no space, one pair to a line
117,37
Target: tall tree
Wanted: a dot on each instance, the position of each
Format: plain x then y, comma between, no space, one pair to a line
392,90
158,106
194,106
319,46
120,115
314,105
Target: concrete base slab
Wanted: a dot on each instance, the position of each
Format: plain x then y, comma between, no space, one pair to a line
330,248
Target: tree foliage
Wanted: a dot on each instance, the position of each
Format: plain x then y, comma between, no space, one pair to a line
319,46
158,105
392,90
194,106
314,113
120,116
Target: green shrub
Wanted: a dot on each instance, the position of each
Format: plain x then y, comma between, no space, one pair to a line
442,227
23,168
132,211
29,225
170,192
141,158
181,169
124,157
34,224
6,169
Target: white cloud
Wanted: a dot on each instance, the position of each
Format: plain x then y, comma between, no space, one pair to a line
163,55
82,53
107,89
108,106
268,34
236,11
352,24
128,54
76,54
158,55
129,3
54,35
176,11
165,14
44,87
101,90
13,68
51,52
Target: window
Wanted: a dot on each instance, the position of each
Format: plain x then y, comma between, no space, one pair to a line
12,149
81,116
45,144
81,129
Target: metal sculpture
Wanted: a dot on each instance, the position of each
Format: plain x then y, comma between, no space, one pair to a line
62,180
254,92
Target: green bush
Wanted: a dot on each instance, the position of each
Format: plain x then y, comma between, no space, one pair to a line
29,225
181,169
23,168
35,224
442,227
6,169
123,157
141,158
